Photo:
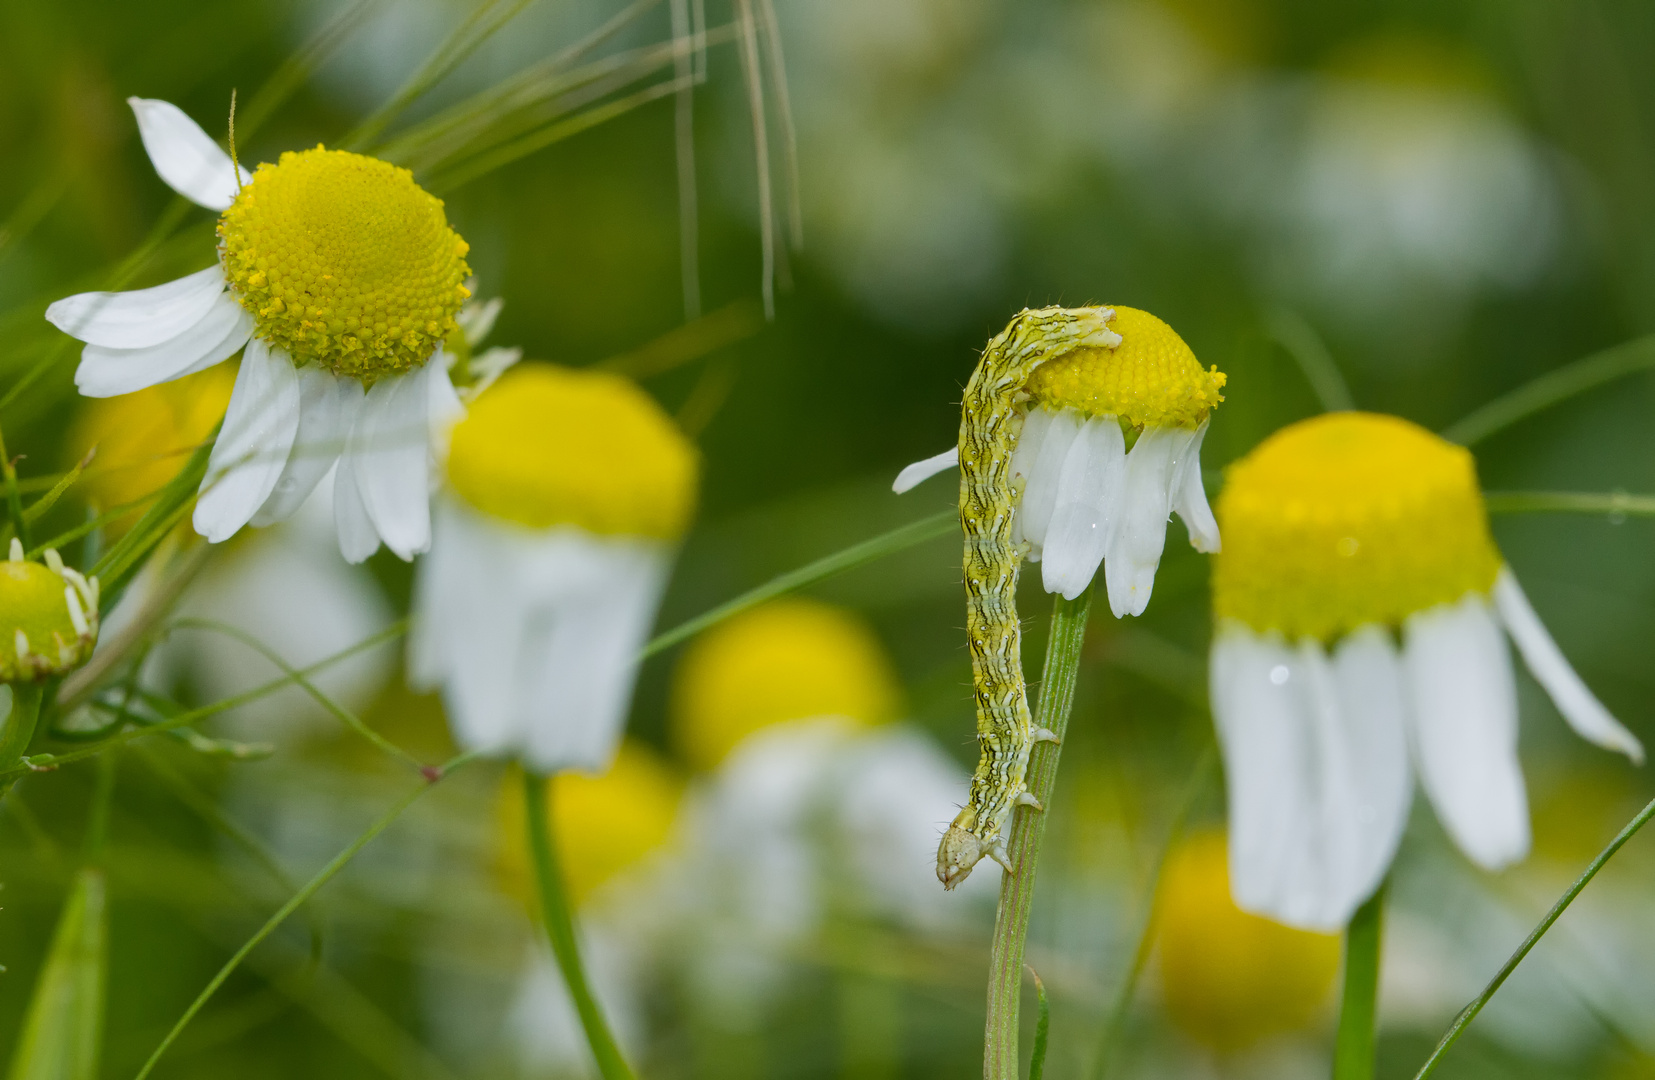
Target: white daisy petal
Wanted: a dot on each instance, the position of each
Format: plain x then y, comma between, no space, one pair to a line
357,536
389,450
1264,735
1087,511
252,446
1189,498
140,317
1035,426
325,415
921,471
1045,471
186,157
1546,662
481,636
1141,531
1462,707
1368,681
578,680
441,582
445,408
215,337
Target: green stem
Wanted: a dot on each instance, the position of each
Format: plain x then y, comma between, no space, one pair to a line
1469,1013
1353,1049
1011,927
17,727
1584,374
1612,503
1042,1027
560,929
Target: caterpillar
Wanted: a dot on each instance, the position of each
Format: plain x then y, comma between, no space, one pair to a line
990,423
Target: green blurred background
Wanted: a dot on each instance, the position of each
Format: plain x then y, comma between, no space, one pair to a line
1449,198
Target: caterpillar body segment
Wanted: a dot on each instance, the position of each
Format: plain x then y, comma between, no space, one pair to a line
990,423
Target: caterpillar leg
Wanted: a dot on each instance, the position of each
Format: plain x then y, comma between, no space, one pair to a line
1025,799
998,853
1040,734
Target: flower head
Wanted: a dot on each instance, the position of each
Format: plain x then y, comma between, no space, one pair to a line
338,279
792,659
1360,602
1227,977
567,493
48,617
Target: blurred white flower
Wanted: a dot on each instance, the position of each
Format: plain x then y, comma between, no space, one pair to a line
545,1028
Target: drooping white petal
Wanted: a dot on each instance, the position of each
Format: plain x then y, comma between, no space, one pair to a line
1546,662
252,446
1088,507
325,415
357,537
1368,679
389,452
215,337
1463,714
445,408
1190,498
1263,733
1045,471
920,471
140,317
1141,530
581,654
186,157
440,585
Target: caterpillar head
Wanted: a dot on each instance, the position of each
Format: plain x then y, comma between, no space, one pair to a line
957,854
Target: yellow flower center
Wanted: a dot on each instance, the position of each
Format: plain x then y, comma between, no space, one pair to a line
603,825
1151,377
345,262
548,446
33,605
788,660
1349,519
1230,978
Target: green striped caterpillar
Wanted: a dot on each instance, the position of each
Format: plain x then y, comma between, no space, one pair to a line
990,423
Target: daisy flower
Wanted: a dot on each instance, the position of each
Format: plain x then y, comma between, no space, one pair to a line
1360,604
48,627
338,279
1110,446
567,494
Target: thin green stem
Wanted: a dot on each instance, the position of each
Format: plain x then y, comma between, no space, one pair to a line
1310,352
1028,827
17,726
297,900
1113,1025
1584,374
14,501
1469,1013
1353,1047
1612,503
899,539
1042,1027
560,929
97,819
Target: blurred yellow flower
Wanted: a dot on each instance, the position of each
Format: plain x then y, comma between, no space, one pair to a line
602,825
1230,978
791,659
144,438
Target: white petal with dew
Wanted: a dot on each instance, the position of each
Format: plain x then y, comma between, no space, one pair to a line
1190,498
1088,507
581,655
1551,669
1145,503
215,337
1263,733
357,537
325,415
140,317
921,471
389,451
186,157
252,446
1462,707
1044,475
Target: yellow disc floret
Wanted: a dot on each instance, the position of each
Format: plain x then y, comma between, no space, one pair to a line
48,618
1348,519
344,262
789,660
603,826
549,446
1151,377
1227,977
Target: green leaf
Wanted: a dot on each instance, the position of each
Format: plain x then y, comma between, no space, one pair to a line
63,1030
